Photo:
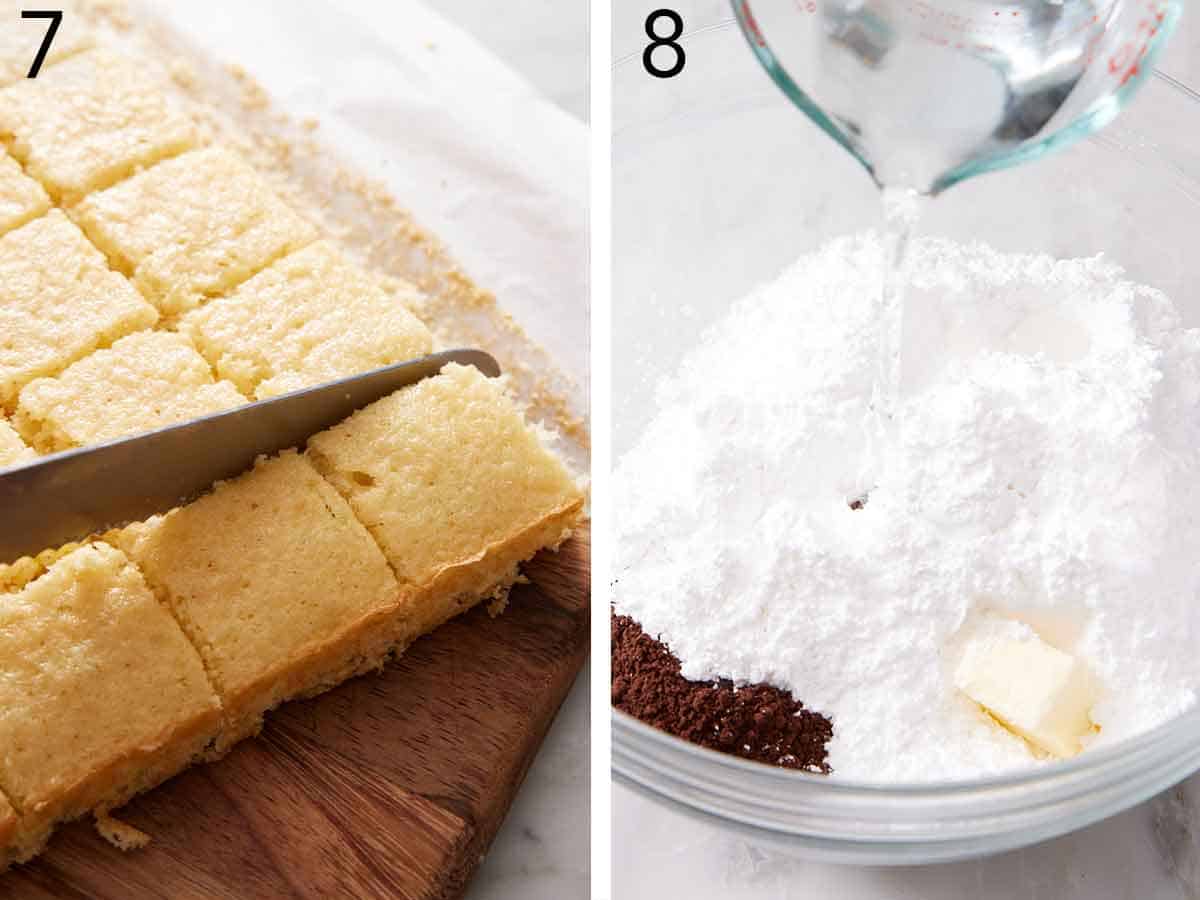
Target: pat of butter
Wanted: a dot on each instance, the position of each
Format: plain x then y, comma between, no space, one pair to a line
1031,688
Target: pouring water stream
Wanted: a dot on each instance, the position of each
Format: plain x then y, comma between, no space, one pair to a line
927,93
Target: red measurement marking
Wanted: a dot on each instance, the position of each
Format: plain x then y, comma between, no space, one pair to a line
752,24
1126,62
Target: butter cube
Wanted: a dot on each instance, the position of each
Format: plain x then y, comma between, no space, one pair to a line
1031,688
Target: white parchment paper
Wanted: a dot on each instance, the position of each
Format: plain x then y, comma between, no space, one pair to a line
474,152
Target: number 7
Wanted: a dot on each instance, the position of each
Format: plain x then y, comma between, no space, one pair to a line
55,17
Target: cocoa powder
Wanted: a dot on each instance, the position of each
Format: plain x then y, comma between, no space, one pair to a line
756,722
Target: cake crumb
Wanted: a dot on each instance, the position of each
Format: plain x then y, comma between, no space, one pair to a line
120,834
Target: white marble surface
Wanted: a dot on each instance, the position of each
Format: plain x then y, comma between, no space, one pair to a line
1151,852
542,851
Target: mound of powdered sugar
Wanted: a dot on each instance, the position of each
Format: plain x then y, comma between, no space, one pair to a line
1045,471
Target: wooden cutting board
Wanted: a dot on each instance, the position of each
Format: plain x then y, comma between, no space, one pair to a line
392,785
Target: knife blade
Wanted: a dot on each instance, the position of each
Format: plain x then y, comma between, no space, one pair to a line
68,496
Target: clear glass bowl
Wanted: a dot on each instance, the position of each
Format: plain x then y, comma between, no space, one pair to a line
719,182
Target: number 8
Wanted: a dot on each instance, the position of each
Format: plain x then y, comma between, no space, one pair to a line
666,41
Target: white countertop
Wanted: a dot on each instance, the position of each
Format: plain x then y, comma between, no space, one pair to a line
542,851
1151,852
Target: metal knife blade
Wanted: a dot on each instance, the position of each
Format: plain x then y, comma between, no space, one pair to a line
67,496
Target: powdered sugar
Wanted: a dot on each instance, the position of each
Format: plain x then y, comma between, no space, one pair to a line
1045,469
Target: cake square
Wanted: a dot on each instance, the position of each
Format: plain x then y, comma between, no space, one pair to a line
101,694
21,198
276,582
310,317
12,448
89,121
192,227
143,382
58,301
20,38
457,489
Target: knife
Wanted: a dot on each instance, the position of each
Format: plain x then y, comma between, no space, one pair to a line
68,496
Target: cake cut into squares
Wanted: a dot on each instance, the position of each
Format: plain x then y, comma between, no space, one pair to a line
192,227
101,694
21,198
454,485
143,382
12,449
311,317
90,121
275,581
20,38
58,301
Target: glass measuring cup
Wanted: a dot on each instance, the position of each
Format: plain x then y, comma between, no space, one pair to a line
926,93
